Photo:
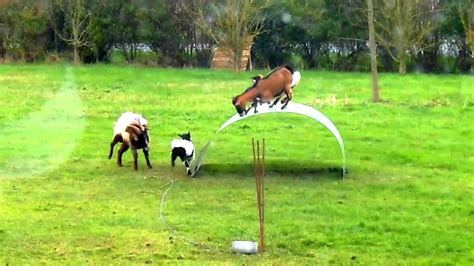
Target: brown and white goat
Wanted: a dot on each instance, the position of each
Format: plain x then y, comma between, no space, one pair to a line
279,81
135,136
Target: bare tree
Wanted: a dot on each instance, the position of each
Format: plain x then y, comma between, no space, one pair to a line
373,52
232,24
467,20
77,24
403,25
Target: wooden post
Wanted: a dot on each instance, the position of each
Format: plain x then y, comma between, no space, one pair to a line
373,53
259,171
262,193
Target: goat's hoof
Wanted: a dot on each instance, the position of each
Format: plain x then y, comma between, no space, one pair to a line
149,166
189,172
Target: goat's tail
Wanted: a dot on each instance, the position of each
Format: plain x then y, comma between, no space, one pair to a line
296,77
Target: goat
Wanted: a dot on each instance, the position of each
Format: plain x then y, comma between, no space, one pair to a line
184,149
295,80
279,81
132,131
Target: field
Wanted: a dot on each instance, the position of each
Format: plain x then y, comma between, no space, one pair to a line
408,198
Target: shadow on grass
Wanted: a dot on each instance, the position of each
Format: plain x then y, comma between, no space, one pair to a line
283,169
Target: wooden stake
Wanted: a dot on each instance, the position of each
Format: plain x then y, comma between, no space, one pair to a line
259,171
254,159
259,196
263,195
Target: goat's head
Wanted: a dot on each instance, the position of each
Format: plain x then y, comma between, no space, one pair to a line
240,109
185,136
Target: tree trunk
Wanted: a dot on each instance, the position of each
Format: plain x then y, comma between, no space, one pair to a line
250,62
373,54
402,68
237,61
77,60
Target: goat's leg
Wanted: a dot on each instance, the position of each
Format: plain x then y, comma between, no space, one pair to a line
112,144
289,95
186,163
255,103
173,158
276,101
147,157
135,158
116,140
248,109
123,149
286,98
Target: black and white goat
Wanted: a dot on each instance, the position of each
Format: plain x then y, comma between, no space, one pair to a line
132,131
184,149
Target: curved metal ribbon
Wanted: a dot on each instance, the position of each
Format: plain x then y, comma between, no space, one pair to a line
292,107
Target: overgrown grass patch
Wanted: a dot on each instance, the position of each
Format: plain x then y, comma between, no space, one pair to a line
407,198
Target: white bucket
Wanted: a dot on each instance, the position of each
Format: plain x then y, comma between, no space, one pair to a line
245,247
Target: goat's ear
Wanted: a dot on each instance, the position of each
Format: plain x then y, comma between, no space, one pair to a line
235,101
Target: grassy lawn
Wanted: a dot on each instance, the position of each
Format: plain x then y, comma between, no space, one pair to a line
408,198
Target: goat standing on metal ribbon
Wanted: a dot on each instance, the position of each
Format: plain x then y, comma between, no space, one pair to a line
279,81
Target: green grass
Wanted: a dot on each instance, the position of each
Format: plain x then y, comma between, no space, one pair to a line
407,200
